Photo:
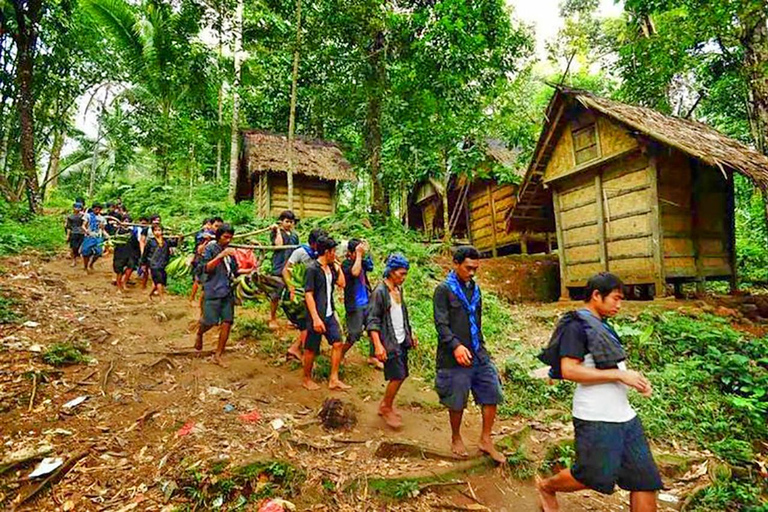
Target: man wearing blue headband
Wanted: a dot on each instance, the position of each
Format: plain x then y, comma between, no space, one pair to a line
463,364
391,334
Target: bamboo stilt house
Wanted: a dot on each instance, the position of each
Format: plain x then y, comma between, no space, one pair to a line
477,207
320,166
647,196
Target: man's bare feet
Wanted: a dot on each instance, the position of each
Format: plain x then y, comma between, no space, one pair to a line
547,500
293,353
198,341
392,420
458,448
217,361
310,385
337,384
273,325
372,361
487,448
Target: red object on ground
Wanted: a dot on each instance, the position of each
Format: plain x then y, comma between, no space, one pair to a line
186,429
251,417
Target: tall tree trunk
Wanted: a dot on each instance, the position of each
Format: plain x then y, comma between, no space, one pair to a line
27,18
234,152
94,159
756,63
446,183
376,84
219,142
292,115
51,180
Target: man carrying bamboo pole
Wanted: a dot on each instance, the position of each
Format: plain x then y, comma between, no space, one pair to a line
282,234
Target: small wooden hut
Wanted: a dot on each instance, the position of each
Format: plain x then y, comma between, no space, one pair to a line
477,208
635,192
262,177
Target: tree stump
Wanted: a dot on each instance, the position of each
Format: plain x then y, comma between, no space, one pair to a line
337,414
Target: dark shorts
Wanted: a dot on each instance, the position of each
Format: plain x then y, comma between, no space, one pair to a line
159,276
276,292
454,384
218,311
614,453
75,241
356,321
332,334
122,259
396,365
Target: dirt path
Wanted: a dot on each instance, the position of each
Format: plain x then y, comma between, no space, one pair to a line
146,464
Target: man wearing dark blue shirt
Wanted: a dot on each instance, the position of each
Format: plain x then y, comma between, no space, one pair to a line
219,265
357,294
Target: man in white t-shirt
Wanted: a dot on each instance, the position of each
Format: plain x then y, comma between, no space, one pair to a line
611,447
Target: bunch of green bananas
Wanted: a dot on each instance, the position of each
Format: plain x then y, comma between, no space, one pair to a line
179,266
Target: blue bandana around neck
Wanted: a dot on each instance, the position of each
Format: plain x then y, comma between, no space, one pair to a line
459,290
312,253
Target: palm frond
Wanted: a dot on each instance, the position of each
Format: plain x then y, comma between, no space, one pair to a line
119,20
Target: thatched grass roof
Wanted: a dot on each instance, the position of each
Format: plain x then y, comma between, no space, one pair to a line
497,150
691,137
698,140
268,152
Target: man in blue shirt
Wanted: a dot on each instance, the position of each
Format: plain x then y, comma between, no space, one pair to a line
219,265
357,294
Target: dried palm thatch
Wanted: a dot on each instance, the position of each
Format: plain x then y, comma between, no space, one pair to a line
698,140
267,152
691,137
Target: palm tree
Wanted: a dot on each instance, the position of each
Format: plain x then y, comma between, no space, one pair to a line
147,39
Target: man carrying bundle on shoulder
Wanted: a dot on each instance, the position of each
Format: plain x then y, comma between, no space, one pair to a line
463,363
220,268
93,243
357,292
294,306
73,227
611,447
390,329
282,234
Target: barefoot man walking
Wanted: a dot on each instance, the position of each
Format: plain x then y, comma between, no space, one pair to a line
463,364
220,268
610,443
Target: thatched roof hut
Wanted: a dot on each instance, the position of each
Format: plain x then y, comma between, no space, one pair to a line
477,207
631,190
319,165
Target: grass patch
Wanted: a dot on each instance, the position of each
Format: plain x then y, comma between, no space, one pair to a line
42,233
234,489
9,309
63,354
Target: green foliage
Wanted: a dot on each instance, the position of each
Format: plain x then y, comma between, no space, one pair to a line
63,354
520,465
559,456
406,489
8,308
19,233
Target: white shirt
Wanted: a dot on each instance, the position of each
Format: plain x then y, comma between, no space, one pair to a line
398,322
328,293
602,402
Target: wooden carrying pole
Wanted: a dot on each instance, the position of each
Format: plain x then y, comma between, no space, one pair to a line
264,247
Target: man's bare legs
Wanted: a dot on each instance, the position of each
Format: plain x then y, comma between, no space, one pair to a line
201,329
642,501
387,406
224,331
561,482
337,354
273,313
486,443
457,443
309,362
295,350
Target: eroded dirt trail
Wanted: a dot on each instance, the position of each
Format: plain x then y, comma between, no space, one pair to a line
157,421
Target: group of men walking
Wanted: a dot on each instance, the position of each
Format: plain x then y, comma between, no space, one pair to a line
610,444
